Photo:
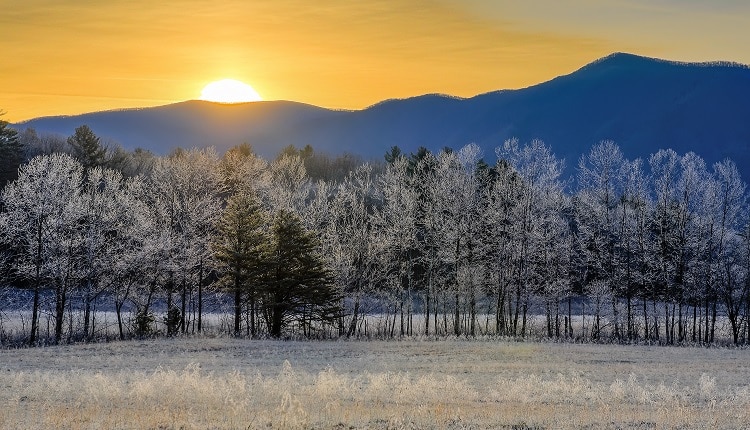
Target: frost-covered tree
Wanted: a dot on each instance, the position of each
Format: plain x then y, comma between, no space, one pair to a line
502,223
598,224
289,185
40,224
539,218
597,200
664,169
353,239
42,144
131,249
397,225
459,209
732,276
102,223
184,199
139,162
635,246
693,177
241,170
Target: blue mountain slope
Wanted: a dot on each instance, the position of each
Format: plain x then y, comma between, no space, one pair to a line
642,104
190,124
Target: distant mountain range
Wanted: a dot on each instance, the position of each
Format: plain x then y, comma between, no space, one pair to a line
642,104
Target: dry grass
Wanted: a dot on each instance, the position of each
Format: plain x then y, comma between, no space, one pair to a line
225,383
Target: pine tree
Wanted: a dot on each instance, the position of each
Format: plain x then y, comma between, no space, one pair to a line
241,247
87,147
11,153
299,283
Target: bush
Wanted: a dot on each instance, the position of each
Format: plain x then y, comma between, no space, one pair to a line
172,320
143,324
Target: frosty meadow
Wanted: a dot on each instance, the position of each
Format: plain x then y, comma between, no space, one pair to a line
236,383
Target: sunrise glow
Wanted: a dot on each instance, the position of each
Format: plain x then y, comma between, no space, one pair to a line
63,58
229,91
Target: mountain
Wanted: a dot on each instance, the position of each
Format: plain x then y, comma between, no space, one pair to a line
643,104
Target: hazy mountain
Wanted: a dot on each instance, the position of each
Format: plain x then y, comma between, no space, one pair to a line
642,104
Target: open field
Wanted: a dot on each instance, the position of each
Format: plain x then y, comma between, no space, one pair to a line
229,383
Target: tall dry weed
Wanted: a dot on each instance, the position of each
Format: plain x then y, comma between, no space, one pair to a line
193,398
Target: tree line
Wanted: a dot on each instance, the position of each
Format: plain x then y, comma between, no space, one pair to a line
437,244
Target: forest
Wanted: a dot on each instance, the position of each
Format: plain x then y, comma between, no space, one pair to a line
434,243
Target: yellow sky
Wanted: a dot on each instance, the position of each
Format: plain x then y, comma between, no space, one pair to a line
68,57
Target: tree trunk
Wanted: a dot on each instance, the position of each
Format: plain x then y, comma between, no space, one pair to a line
237,307
59,312
695,319
183,307
427,312
401,312
713,320
549,319
200,296
87,309
118,311
34,317
569,332
500,311
276,320
630,314
706,330
253,324
457,315
656,334
37,286
557,318
355,317
473,312
645,318
517,310
616,315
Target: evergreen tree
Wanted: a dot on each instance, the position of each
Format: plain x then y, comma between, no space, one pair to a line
11,153
241,249
393,155
298,283
87,147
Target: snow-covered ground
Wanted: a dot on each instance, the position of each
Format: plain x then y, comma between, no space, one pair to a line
232,383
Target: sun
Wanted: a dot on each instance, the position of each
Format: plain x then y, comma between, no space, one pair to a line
229,91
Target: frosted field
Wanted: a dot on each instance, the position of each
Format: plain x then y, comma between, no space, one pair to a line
228,383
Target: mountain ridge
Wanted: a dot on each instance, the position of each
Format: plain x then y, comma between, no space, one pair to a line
641,103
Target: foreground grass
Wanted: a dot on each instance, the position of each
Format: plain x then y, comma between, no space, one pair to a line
226,383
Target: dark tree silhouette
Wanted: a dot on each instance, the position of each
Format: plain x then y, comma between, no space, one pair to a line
87,147
241,247
299,283
11,153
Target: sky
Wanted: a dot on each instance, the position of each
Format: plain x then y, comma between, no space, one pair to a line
67,57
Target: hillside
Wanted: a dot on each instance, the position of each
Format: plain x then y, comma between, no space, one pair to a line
642,104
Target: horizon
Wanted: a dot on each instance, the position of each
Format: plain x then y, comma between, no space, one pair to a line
68,59
378,102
